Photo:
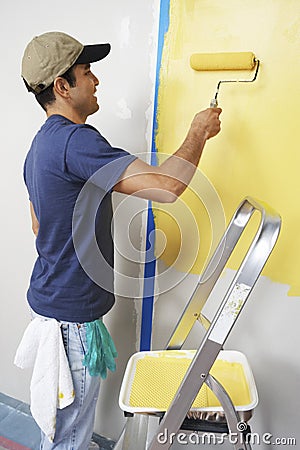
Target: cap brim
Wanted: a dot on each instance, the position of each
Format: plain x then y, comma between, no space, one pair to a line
93,53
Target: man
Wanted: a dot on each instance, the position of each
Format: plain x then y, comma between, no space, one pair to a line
65,155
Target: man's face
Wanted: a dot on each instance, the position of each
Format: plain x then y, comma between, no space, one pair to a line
82,95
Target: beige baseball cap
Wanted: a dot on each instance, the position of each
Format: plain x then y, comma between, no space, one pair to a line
51,54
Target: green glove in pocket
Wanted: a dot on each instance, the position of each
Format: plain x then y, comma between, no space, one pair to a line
101,352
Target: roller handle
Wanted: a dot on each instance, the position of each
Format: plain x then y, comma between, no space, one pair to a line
213,103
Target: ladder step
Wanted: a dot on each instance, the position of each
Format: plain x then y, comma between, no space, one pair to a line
208,426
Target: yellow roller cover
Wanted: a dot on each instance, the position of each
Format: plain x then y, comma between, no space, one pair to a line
223,61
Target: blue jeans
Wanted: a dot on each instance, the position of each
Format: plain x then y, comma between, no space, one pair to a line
75,423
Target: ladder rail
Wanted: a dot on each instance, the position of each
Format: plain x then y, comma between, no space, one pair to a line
270,224
232,416
228,312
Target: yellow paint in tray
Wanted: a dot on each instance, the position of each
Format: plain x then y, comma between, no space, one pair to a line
157,379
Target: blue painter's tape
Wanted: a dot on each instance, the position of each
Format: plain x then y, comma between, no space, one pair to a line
150,263
164,21
149,284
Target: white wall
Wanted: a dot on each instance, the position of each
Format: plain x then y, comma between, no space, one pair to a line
126,97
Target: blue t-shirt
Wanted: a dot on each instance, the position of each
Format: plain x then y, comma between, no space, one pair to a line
62,158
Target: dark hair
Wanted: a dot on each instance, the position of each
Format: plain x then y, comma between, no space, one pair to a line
47,96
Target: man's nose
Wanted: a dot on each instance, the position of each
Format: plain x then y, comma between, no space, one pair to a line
96,81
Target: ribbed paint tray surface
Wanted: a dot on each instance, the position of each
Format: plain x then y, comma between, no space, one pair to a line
152,378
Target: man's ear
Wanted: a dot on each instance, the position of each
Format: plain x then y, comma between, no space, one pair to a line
61,87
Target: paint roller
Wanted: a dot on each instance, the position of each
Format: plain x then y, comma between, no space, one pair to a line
225,61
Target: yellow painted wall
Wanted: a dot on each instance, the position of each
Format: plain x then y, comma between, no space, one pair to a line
257,152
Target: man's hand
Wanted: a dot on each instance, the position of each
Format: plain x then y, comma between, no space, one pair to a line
206,122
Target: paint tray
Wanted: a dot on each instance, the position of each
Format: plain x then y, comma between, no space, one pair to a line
152,378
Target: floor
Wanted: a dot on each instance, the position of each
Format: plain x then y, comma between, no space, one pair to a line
18,430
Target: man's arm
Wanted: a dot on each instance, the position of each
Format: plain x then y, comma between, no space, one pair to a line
168,181
34,221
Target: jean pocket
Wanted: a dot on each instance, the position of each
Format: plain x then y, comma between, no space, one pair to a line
65,336
81,330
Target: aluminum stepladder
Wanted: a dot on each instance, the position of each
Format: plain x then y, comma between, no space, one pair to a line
134,436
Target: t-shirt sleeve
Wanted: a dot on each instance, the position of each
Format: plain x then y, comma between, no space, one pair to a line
89,156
